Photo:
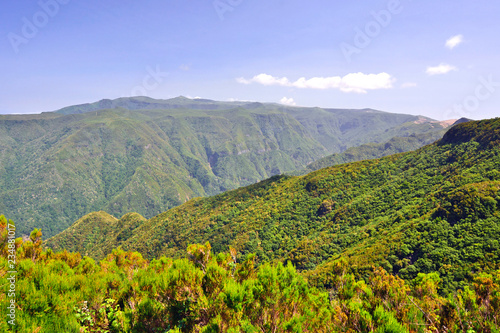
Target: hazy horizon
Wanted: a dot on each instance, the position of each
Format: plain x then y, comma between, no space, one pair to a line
423,58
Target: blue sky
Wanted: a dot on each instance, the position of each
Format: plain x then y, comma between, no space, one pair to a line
434,58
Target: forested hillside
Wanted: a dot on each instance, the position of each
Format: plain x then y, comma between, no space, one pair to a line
204,292
432,210
405,243
146,156
370,151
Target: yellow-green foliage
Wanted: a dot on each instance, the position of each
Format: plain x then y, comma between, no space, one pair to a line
62,292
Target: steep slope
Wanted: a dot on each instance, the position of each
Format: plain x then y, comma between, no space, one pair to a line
119,162
334,129
375,150
433,210
148,155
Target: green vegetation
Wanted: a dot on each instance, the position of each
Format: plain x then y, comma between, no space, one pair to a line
63,292
433,210
147,156
371,151
405,243
103,229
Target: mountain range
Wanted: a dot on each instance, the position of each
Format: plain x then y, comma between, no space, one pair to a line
147,156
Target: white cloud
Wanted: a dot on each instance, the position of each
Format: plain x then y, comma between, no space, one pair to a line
360,83
454,41
440,69
266,80
353,82
318,83
408,85
288,101
184,67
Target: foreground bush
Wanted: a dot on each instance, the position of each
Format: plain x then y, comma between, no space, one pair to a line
62,292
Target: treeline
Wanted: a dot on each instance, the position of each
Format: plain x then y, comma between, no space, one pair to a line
63,292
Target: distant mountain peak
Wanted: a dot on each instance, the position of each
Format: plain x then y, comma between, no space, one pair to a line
461,120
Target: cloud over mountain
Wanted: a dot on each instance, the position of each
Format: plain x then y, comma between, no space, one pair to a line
353,82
